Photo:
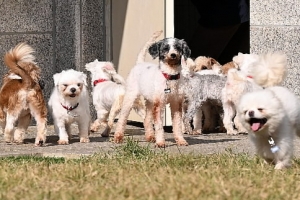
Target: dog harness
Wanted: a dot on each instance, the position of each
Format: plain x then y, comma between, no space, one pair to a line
99,81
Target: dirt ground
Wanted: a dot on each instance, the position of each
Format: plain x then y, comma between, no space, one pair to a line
200,144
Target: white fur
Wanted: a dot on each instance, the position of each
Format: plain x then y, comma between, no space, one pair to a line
273,67
64,82
147,79
108,95
281,109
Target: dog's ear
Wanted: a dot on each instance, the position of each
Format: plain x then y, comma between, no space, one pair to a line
213,61
238,59
154,49
109,68
83,78
186,51
90,66
183,62
56,78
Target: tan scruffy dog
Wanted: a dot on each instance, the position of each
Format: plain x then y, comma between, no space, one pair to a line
21,96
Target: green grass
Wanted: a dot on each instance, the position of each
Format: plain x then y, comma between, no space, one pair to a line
137,172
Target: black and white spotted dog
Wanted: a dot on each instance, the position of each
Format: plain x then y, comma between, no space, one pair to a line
159,85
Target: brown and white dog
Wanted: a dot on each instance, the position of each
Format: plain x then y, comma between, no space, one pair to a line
159,85
21,96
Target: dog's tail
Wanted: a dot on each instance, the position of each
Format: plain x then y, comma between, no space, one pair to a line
15,59
270,70
144,50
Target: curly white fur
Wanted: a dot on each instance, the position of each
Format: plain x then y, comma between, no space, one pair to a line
147,79
108,94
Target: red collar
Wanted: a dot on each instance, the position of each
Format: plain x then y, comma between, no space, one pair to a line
99,81
171,77
249,76
70,108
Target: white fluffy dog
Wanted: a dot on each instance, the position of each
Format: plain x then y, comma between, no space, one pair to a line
108,94
69,103
272,118
257,72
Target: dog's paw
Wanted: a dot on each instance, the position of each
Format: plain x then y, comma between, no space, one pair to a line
280,165
182,143
232,132
150,138
196,132
62,142
161,144
39,141
8,139
84,140
118,138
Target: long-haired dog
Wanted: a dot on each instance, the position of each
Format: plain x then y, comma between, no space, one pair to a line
159,85
21,96
257,71
199,89
69,103
272,117
108,95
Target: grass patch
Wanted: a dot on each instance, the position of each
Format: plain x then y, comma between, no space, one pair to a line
138,172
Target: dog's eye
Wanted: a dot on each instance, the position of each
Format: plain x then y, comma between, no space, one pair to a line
78,84
260,109
65,85
204,67
245,112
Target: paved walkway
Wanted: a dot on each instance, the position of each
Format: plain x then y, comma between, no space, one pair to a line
202,144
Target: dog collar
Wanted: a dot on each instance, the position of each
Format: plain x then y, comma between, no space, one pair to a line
249,76
99,81
70,108
171,77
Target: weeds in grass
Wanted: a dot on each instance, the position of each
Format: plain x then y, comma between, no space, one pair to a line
138,172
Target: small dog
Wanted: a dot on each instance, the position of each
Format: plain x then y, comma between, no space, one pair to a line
108,94
207,65
21,96
159,85
199,89
258,72
272,117
69,103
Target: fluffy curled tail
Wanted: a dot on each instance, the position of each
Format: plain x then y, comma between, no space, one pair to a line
270,70
18,57
143,52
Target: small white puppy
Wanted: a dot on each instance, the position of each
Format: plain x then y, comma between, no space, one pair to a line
272,118
69,103
108,94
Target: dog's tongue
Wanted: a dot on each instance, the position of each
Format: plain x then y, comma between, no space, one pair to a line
255,126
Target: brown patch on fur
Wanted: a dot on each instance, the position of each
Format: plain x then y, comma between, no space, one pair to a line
156,110
203,62
226,67
22,97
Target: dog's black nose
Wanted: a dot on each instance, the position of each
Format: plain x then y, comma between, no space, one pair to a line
251,113
173,55
73,90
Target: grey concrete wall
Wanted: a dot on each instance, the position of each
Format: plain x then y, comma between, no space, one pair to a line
65,33
275,26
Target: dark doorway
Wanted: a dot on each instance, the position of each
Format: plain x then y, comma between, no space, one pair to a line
219,42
